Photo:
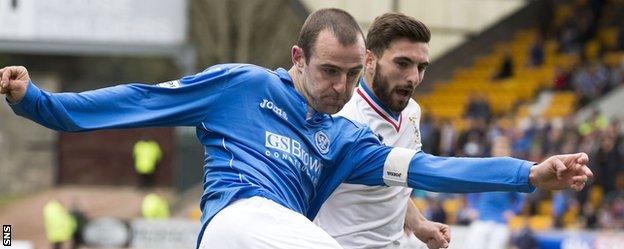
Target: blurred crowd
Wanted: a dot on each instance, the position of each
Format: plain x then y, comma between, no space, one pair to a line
601,204
589,75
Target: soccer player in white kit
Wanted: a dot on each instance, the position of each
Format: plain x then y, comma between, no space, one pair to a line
360,216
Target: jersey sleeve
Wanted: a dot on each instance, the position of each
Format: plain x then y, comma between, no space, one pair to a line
374,164
183,102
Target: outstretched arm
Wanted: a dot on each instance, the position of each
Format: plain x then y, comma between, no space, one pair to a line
183,102
379,165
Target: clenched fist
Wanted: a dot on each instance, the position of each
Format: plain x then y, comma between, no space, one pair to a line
14,82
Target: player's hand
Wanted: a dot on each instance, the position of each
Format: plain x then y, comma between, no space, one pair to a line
435,235
561,171
14,82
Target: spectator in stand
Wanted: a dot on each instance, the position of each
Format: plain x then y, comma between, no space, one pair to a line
609,161
522,141
536,54
561,79
524,238
614,129
587,22
561,203
584,85
506,69
59,224
81,219
495,209
478,107
434,211
472,139
611,215
620,39
430,133
147,154
568,39
155,207
600,76
447,138
590,216
616,76
554,138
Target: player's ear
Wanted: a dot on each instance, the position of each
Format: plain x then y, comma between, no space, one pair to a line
298,58
370,61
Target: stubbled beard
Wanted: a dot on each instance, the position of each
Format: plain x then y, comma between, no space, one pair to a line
384,94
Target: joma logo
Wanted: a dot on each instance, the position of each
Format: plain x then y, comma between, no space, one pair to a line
267,104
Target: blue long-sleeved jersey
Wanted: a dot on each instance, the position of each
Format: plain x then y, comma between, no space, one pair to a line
260,141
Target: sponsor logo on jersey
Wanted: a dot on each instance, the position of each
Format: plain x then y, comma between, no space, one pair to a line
322,142
296,153
169,84
277,142
395,174
414,121
267,104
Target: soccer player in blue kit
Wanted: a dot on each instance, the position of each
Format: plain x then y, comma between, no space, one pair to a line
273,152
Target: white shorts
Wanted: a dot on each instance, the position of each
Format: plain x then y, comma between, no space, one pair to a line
260,223
487,235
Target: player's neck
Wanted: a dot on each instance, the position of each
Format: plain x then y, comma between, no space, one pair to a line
368,81
294,75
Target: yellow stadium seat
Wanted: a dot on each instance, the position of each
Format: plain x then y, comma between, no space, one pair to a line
608,36
544,207
541,222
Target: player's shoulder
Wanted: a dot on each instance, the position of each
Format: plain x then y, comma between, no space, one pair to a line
352,131
234,74
227,71
412,108
248,71
347,123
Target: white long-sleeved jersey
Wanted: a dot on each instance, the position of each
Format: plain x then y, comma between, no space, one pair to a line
360,216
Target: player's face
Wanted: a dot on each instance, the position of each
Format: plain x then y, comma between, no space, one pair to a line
399,71
332,72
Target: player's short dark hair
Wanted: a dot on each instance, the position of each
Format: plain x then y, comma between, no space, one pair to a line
341,23
393,26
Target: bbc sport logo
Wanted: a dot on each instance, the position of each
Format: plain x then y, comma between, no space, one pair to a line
6,235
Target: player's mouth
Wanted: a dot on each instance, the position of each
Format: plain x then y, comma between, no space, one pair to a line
403,92
335,101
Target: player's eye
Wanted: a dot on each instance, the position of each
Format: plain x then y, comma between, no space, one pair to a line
330,71
402,64
422,68
353,74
